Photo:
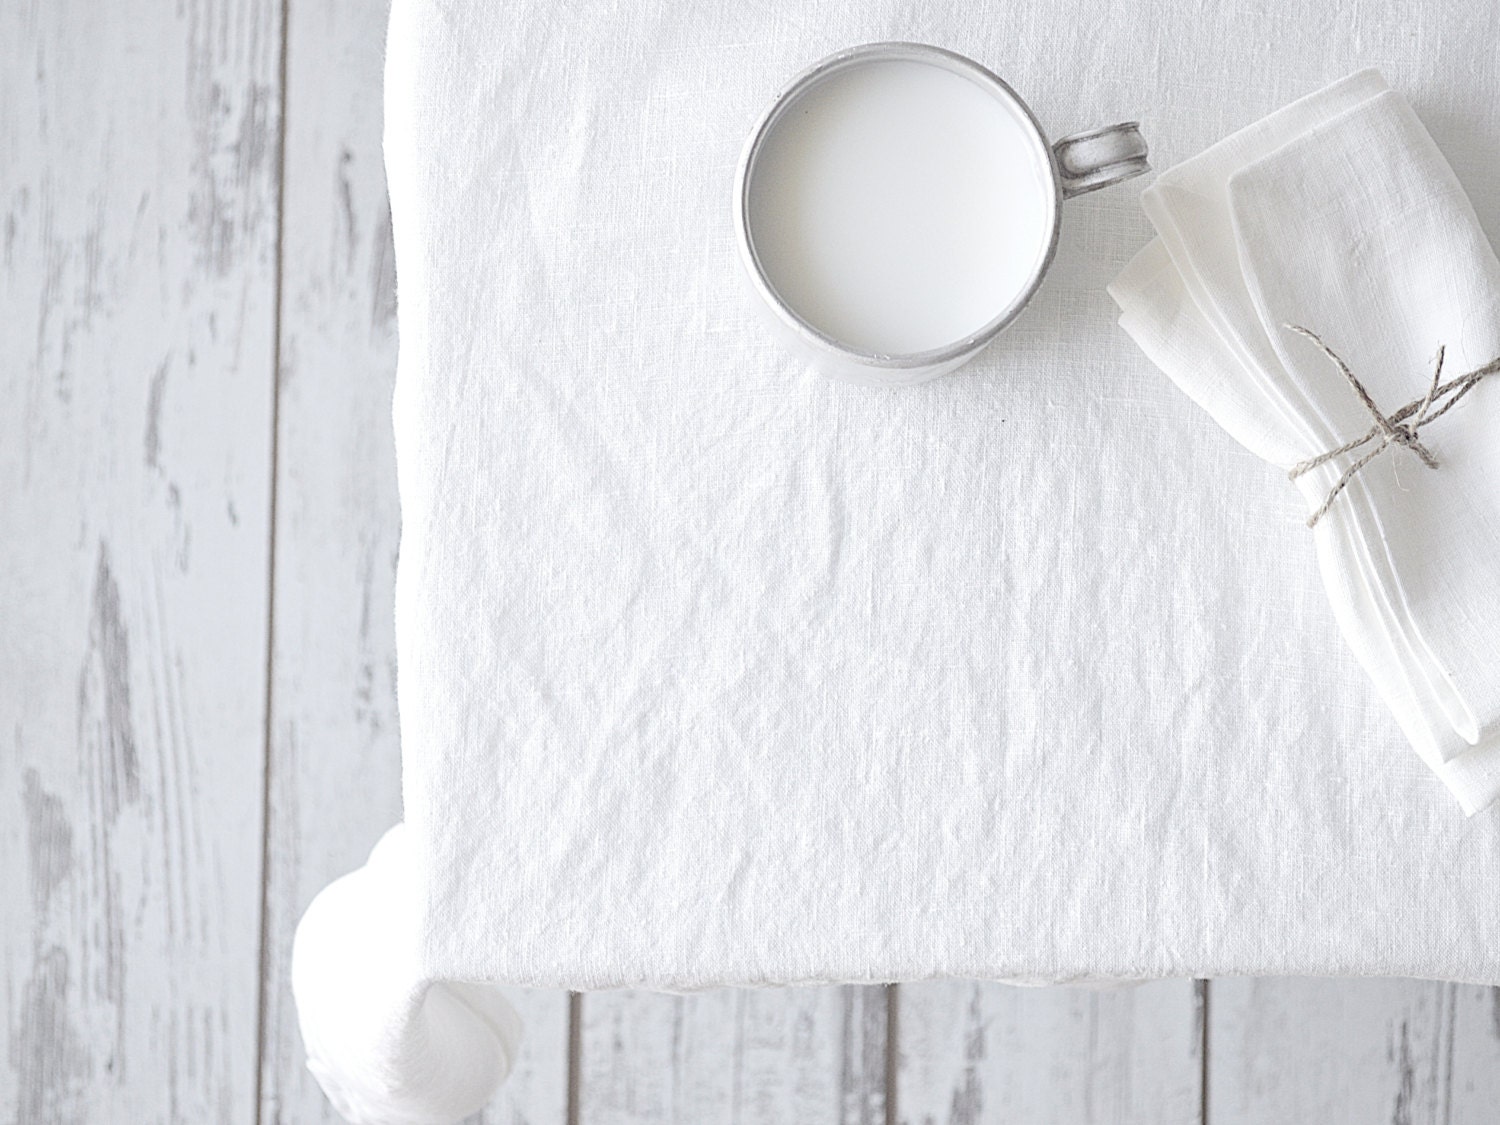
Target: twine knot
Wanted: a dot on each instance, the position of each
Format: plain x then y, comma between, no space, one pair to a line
1390,430
1405,435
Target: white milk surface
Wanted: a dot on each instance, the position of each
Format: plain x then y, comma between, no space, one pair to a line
898,206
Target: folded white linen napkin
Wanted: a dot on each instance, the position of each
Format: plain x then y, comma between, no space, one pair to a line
1340,214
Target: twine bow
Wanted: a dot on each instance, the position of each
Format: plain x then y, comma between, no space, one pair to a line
1400,428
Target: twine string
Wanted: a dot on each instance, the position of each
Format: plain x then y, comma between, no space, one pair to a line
1388,430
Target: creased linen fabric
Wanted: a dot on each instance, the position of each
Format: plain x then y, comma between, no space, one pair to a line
713,671
1340,214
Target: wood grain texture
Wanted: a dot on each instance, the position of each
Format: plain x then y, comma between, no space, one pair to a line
971,1053
137,282
747,1056
1334,1051
1472,1088
334,756
334,746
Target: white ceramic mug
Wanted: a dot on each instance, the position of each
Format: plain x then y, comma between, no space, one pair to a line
897,205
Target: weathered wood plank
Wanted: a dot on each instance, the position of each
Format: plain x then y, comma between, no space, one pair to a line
1401,1051
1472,1087
734,1055
335,752
138,180
970,1052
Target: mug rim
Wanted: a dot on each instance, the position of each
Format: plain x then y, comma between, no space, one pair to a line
849,57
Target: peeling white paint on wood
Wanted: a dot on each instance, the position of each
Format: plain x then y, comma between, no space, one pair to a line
1402,1052
138,180
747,1056
1472,1093
334,750
969,1053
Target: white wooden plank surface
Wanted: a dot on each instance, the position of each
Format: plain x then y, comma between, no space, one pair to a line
1335,1051
137,258
334,750
972,1053
748,1056
1472,1093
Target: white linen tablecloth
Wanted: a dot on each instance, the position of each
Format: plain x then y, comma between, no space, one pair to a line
713,671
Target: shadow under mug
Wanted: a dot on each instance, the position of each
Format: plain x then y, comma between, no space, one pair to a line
1078,163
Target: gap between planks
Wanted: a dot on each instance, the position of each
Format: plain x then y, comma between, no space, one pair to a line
267,978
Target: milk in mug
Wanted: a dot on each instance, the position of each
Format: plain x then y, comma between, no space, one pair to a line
900,206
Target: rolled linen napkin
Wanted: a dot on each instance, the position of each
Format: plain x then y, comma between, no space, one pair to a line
1339,213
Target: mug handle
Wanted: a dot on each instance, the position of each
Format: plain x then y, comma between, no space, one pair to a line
1100,157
